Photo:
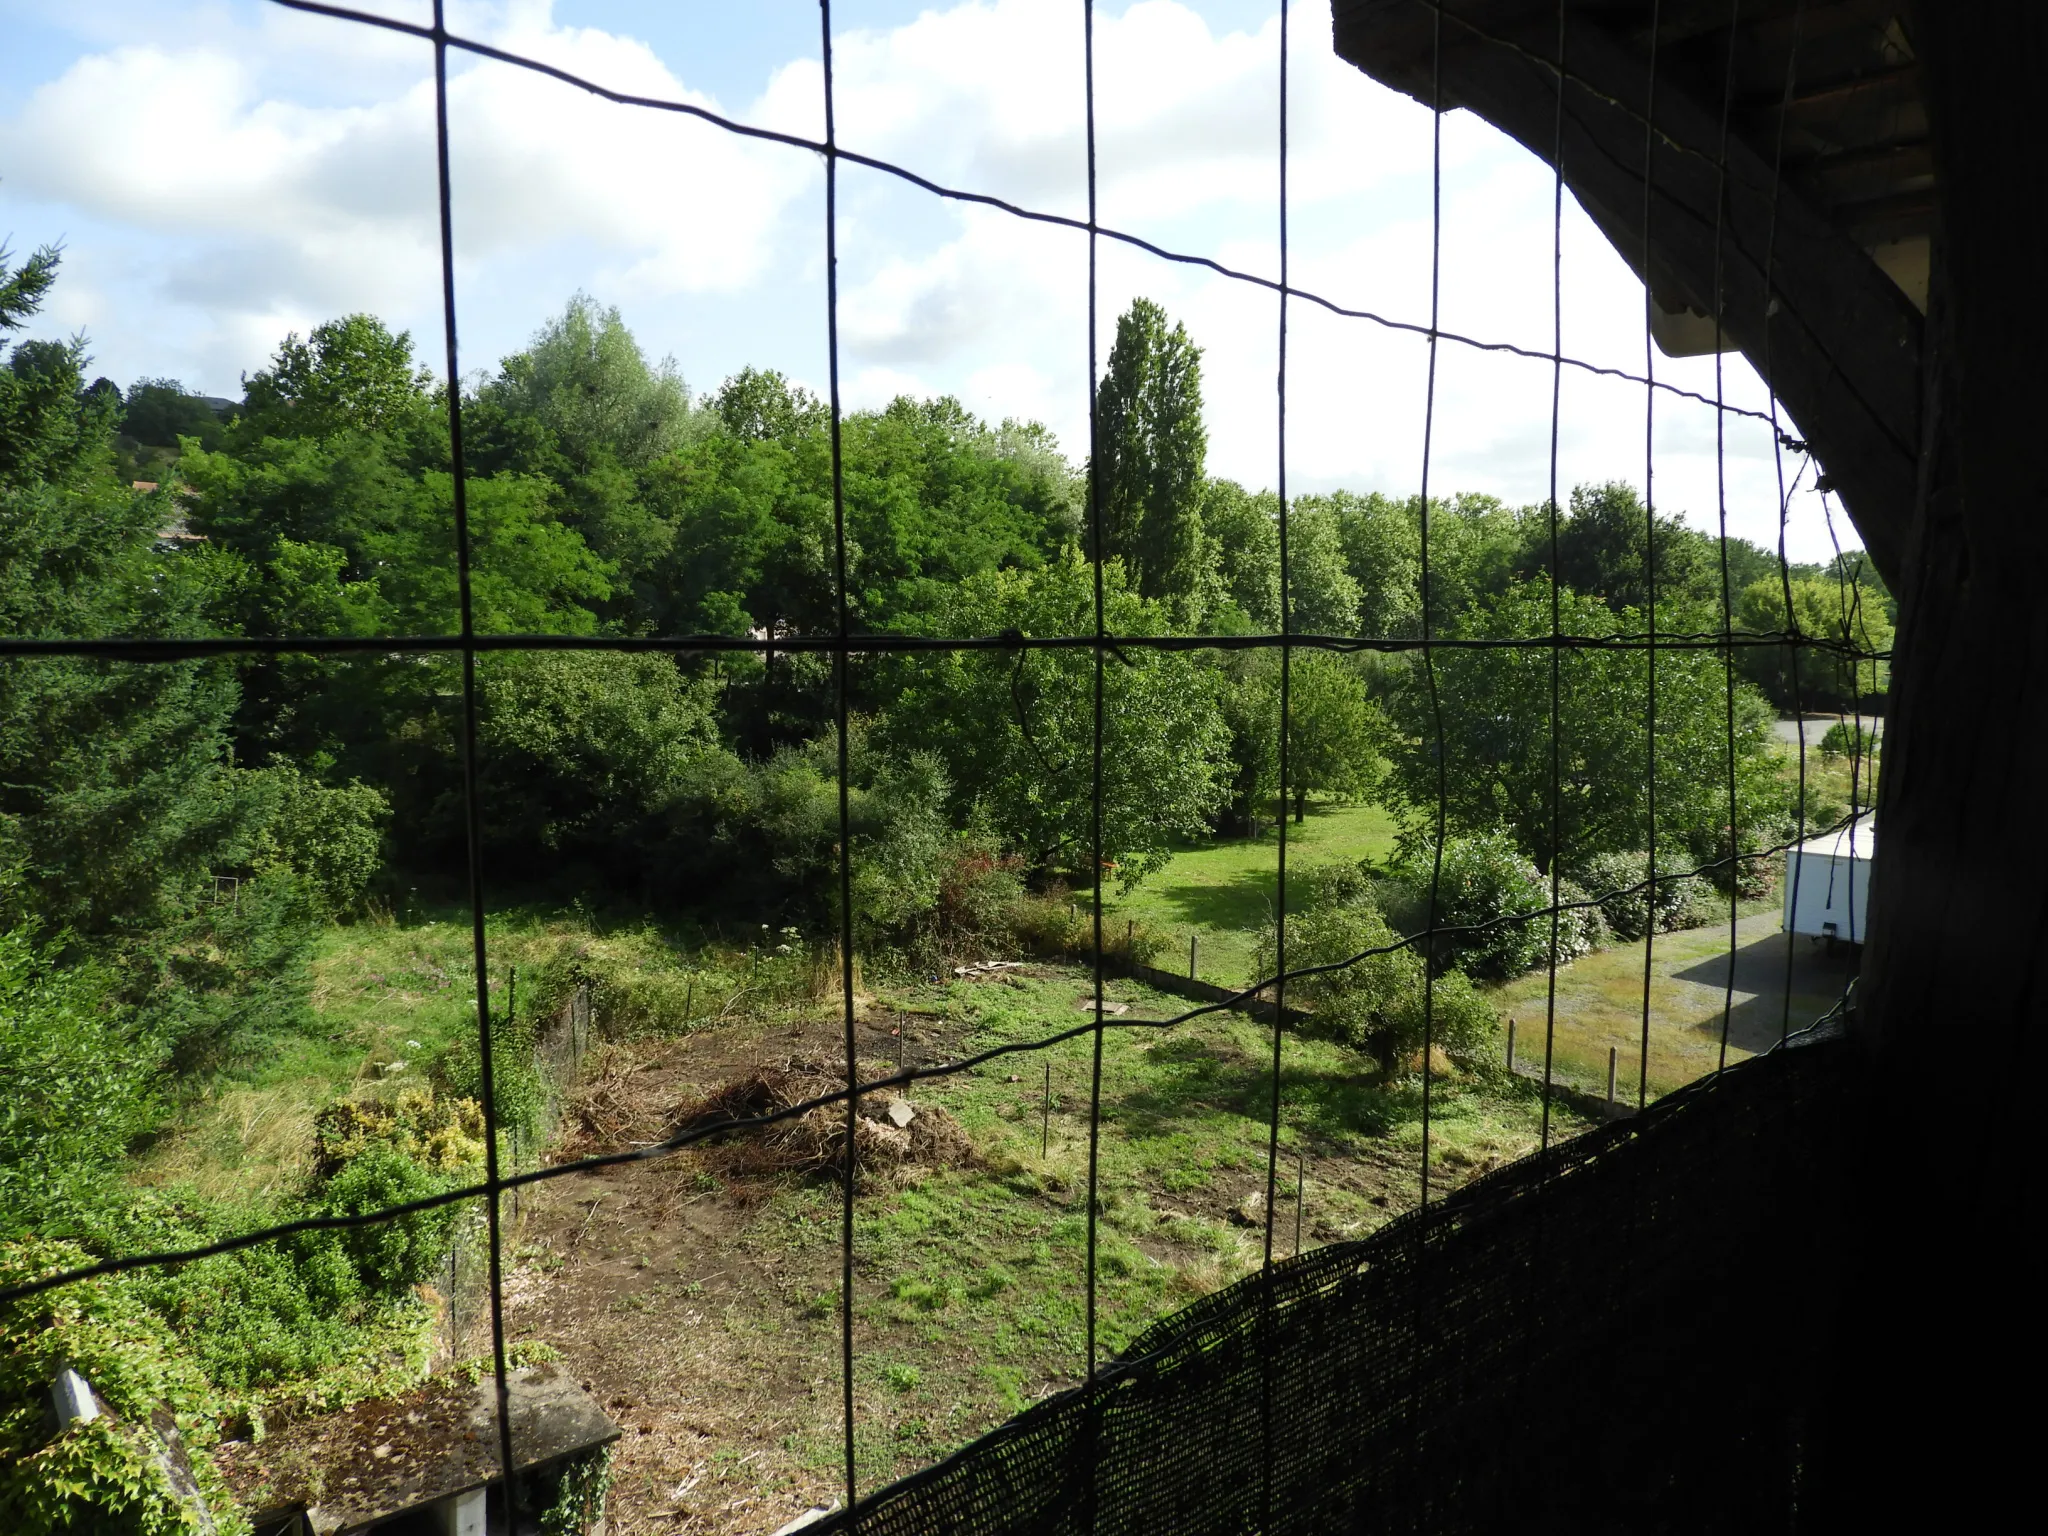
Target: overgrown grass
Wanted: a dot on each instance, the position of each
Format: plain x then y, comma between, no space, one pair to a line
971,1286
1223,893
389,1000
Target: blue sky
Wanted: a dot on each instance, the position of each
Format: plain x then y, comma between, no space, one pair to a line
222,172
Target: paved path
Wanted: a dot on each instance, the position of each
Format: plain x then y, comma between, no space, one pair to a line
1787,731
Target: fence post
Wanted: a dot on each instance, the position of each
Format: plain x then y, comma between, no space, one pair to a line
1511,1045
512,996
1611,1055
1191,957
1045,1117
1300,1195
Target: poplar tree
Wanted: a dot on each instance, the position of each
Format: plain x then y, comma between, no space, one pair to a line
1151,447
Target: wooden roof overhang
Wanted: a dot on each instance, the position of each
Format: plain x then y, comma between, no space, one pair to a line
1811,217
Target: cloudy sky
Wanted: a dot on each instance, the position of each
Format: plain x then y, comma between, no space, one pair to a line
222,172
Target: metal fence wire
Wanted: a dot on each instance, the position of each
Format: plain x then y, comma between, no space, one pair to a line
1205,1387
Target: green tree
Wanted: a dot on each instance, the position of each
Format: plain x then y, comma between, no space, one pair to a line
1015,730
1152,445
1323,597
347,375
585,381
1842,613
1241,532
1382,554
1335,734
1496,738
582,755
1606,549
760,403
158,412
53,431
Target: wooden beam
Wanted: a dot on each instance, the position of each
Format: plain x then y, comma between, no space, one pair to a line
1834,336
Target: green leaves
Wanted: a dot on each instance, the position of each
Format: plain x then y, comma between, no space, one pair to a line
1016,729
1496,741
1152,447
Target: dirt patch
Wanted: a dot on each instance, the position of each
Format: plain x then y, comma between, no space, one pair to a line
703,1324
892,1136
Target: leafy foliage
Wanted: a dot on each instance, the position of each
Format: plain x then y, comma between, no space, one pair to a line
1485,882
78,1087
1496,738
1016,731
100,1475
1152,444
1630,901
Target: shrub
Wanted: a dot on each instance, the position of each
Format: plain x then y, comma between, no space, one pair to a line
101,1476
1363,1005
331,837
979,889
1842,740
76,1091
1619,881
522,1095
1486,880
388,1256
1052,924
1459,1019
444,1134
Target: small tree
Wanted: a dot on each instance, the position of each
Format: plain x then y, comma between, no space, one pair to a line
1016,730
1335,734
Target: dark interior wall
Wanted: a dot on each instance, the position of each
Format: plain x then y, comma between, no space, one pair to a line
1923,1422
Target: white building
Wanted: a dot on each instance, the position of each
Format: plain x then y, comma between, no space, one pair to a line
1827,882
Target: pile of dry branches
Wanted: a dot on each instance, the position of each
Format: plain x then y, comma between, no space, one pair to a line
890,1134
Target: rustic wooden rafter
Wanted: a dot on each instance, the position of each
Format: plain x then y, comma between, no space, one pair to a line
1835,337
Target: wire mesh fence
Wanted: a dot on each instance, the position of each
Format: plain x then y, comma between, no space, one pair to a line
1067,1441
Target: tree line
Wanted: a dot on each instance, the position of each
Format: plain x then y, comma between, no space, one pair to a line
606,499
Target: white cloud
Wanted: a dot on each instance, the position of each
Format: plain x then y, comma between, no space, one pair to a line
270,175
273,213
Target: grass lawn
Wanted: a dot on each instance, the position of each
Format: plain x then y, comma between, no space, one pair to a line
713,1297
1600,1004
1223,892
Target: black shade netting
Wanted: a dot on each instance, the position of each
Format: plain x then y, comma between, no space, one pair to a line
1615,1335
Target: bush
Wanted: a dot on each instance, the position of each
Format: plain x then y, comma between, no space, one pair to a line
1054,925
76,1089
1842,740
1620,882
1459,1019
979,889
522,1094
387,1256
332,838
102,1476
1486,880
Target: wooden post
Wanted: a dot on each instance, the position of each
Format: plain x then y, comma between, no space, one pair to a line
1045,1117
689,1000
1300,1195
1191,957
1611,1057
1511,1045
